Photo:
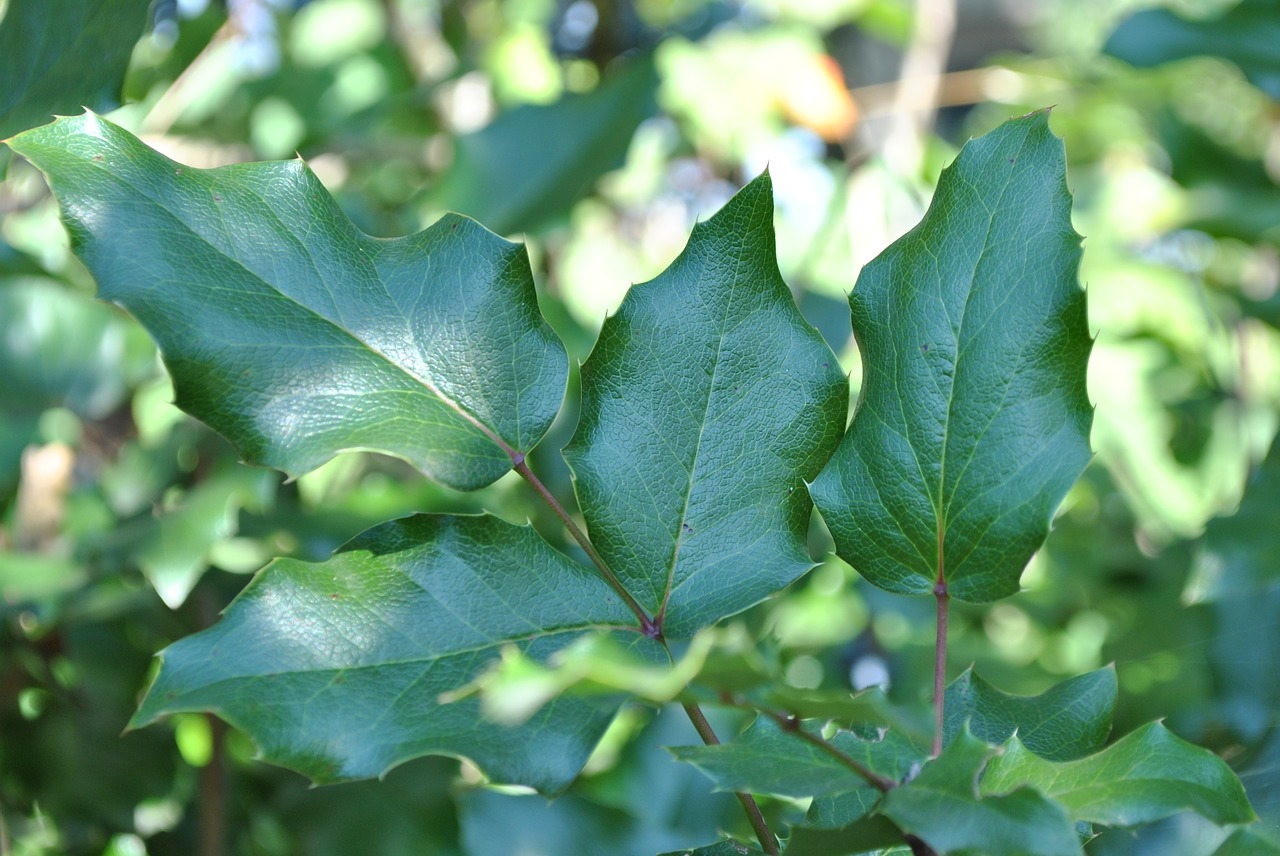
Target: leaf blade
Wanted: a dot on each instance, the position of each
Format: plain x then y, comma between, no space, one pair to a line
705,404
1146,775
974,417
296,335
334,669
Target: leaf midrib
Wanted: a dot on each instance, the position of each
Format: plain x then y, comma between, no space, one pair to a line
942,508
702,428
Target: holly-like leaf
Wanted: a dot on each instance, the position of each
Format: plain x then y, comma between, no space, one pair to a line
294,334
728,847
767,759
874,833
942,806
1144,776
706,404
1066,721
335,669
57,56
974,418
1245,34
1240,554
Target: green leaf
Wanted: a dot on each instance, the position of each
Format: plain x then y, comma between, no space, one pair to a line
706,404
1240,555
294,334
57,56
1144,776
175,553
531,164
1248,842
1245,34
728,847
1066,721
870,833
64,349
335,669
767,759
974,419
942,806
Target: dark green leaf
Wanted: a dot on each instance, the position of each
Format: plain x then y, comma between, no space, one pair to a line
974,418
334,669
1144,776
528,167
1245,34
57,56
942,807
871,833
1241,552
728,847
767,759
1066,721
293,333
706,404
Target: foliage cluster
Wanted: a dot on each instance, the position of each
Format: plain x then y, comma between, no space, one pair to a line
666,590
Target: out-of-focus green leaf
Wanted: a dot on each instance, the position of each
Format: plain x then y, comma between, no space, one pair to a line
57,56
766,759
1245,34
1248,842
61,349
874,833
1066,721
974,417
335,669
728,847
707,403
1144,776
942,806
294,334
1241,552
33,576
529,166
176,552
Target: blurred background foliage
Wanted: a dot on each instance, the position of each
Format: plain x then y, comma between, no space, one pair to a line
601,130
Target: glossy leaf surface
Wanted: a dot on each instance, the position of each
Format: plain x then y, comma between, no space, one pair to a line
1144,776
974,419
57,56
706,404
294,334
942,806
1066,721
335,669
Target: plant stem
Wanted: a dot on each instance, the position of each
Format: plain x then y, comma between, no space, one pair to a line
940,667
767,842
648,626
877,781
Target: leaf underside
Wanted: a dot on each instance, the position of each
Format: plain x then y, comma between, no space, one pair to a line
974,419
706,404
294,334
